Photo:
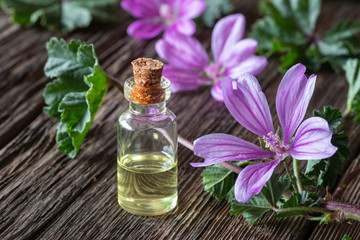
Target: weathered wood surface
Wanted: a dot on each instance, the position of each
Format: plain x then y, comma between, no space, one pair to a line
43,194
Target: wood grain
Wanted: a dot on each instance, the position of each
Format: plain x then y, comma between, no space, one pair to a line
45,195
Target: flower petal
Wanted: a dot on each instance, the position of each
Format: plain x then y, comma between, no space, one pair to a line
252,179
190,9
292,99
239,52
144,29
227,32
182,51
253,65
216,92
182,79
220,147
313,140
186,27
247,103
141,8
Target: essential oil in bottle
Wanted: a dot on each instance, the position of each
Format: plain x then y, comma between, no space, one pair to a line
147,143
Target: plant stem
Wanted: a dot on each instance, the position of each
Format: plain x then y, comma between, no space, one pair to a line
231,167
345,182
338,211
289,173
297,175
346,210
353,216
315,218
347,113
307,209
185,143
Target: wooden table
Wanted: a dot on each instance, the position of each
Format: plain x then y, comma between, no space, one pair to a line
44,194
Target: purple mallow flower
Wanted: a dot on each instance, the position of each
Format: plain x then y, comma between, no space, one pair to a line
189,66
247,104
159,15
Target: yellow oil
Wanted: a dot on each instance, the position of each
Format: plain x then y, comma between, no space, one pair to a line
147,183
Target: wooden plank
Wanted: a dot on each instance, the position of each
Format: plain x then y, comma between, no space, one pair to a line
43,194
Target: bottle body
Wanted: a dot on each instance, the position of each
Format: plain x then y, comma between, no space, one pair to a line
147,159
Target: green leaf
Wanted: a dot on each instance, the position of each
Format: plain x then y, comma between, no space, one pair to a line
261,203
76,94
214,10
352,73
251,211
308,181
285,29
306,13
346,237
331,115
339,43
57,15
218,180
275,188
343,30
288,28
303,199
326,170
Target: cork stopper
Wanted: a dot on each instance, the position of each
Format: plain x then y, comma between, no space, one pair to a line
147,71
147,78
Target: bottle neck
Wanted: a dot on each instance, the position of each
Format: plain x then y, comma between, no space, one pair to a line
147,109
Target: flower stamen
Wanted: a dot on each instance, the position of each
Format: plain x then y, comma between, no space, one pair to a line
275,144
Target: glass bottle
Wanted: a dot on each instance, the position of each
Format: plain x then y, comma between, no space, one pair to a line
147,150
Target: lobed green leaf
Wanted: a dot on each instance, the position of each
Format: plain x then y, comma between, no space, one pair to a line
251,211
346,237
275,188
218,180
76,94
331,115
343,30
261,203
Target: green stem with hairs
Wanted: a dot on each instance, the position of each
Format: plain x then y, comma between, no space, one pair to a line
289,173
297,175
307,209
